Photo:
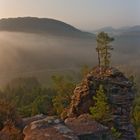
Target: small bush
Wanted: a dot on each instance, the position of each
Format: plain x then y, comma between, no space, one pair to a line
100,111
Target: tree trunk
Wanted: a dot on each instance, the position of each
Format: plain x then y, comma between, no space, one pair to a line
99,61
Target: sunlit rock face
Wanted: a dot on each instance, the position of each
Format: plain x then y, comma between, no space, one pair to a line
11,132
49,128
88,129
119,91
77,128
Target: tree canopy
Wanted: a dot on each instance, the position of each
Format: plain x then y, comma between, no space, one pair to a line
103,47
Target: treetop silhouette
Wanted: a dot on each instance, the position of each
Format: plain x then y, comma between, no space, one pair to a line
103,49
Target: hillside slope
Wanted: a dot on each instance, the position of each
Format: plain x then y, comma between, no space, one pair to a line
41,25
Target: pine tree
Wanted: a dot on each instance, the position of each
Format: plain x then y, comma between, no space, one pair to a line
103,40
64,89
100,111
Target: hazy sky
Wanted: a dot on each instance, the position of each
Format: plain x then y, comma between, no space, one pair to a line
84,14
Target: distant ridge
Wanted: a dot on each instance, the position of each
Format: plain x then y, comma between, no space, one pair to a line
129,31
106,29
41,25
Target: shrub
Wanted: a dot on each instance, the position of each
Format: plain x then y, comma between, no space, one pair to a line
100,111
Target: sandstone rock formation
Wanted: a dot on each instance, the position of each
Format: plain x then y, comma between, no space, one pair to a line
52,128
87,129
10,132
119,91
49,128
28,120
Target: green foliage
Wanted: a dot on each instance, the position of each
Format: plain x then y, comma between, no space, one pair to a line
116,134
7,112
25,111
20,90
136,106
28,96
136,116
103,40
64,88
42,104
100,111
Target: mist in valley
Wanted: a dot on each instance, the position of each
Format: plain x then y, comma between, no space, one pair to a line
28,54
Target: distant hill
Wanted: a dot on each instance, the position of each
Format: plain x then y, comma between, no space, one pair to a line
108,29
41,25
128,31
134,28
132,31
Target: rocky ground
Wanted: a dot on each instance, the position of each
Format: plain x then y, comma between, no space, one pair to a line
53,128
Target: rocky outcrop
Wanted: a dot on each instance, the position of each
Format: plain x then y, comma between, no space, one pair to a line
28,120
87,129
52,128
10,132
49,128
119,91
